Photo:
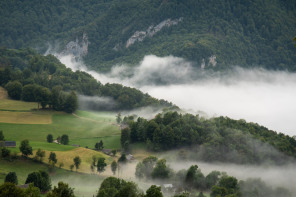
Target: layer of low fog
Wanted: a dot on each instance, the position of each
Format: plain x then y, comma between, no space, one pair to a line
256,95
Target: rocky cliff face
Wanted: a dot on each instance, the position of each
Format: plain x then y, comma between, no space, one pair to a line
78,48
139,36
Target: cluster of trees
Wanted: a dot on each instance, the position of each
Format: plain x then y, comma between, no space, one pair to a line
258,33
113,187
62,140
215,139
39,182
30,76
192,180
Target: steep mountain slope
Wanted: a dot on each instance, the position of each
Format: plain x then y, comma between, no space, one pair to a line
246,33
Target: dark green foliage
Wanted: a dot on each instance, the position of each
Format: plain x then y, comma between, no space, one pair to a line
145,168
154,191
227,185
125,136
77,162
216,139
259,33
52,159
40,179
25,148
160,171
99,145
101,165
11,177
58,88
5,152
71,102
122,158
10,189
65,139
40,154
112,187
2,136
62,190
212,179
14,89
189,179
114,167
49,138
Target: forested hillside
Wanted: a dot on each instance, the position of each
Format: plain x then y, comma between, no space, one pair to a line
246,33
216,139
30,76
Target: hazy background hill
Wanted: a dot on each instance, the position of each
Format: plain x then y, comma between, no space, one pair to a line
246,33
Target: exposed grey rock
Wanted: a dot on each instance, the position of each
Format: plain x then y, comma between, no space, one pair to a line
78,48
139,36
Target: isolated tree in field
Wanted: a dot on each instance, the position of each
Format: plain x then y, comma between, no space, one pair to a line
11,177
25,148
101,165
63,190
1,136
65,139
99,145
61,165
49,138
71,167
118,118
114,167
125,137
14,89
52,159
40,154
77,162
153,191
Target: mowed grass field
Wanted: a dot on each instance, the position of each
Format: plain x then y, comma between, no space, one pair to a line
81,131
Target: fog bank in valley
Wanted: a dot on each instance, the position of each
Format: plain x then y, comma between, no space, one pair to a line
256,95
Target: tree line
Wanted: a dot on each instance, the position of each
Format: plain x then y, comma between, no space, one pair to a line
30,76
215,139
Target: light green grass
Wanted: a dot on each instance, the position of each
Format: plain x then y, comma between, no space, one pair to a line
110,142
8,104
62,123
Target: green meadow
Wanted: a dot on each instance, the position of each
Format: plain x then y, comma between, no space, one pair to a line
81,130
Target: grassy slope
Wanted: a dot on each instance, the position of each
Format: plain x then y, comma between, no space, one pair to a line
84,184
85,128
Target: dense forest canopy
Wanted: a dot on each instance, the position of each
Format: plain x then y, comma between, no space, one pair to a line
216,139
259,32
30,76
